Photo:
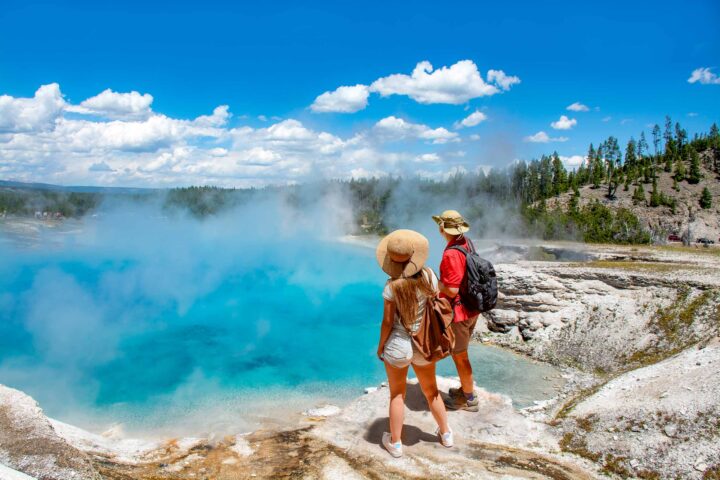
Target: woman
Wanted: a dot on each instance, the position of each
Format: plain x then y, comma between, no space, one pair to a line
402,255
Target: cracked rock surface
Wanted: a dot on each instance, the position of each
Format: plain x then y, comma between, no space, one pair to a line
30,444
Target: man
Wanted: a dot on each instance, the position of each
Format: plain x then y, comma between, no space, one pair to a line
452,270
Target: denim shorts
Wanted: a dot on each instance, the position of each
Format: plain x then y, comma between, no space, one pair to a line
399,351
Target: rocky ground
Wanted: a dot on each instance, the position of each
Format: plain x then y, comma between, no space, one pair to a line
634,328
500,442
29,443
644,322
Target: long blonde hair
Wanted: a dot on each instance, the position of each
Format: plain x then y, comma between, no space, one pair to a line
405,294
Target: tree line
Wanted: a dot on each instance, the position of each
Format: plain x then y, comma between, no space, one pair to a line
520,190
609,168
27,201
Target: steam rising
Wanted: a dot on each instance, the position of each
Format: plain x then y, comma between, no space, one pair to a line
141,309
171,324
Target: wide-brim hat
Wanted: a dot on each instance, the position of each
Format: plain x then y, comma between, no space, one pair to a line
452,222
402,253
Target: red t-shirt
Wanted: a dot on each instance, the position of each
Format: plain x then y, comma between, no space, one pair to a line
452,271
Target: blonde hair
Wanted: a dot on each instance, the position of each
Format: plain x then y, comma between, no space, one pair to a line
405,294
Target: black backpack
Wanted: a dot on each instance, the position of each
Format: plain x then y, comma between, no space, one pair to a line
479,290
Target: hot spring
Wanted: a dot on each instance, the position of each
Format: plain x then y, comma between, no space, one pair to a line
176,326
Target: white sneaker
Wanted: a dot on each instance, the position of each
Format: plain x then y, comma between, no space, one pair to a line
446,438
395,449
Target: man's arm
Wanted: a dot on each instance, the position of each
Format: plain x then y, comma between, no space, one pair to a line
451,273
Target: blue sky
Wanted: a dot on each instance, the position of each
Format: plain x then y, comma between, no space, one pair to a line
628,62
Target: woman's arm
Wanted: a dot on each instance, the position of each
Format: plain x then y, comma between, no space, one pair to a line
386,326
448,291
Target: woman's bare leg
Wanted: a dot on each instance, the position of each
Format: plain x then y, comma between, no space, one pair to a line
397,380
428,384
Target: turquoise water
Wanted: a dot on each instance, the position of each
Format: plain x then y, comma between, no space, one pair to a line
156,325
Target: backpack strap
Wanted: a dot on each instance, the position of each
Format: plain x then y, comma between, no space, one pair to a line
472,245
457,300
459,249
462,249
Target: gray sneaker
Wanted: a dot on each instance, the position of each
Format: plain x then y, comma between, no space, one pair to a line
460,402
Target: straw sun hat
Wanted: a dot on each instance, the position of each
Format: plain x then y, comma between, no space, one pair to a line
402,253
452,222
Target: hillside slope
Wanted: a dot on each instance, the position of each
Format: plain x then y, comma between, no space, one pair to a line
689,218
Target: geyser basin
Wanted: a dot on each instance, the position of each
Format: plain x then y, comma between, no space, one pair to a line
177,327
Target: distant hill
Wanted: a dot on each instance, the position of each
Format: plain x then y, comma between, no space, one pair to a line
27,199
75,188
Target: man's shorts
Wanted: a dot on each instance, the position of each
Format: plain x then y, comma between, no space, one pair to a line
463,333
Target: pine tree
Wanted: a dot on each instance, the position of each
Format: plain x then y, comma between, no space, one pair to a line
612,152
647,174
613,181
642,145
630,153
586,168
714,136
631,163
639,194
656,138
542,206
654,195
667,135
574,203
559,176
706,199
669,155
695,175
680,136
597,172
679,169
546,177
581,173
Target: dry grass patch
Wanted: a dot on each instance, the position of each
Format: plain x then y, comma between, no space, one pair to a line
710,250
655,267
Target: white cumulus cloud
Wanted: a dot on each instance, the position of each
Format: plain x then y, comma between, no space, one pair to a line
542,137
218,118
499,78
704,76
471,120
42,138
342,99
107,103
441,175
31,114
428,158
572,161
455,84
395,128
578,107
564,123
